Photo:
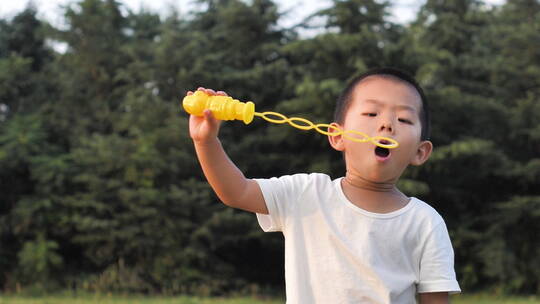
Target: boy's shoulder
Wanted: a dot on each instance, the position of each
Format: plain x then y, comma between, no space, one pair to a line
309,176
295,185
424,212
425,207
306,178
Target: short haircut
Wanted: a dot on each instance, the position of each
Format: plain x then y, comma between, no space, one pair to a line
345,98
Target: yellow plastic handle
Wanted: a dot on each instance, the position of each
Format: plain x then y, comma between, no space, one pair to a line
223,107
227,108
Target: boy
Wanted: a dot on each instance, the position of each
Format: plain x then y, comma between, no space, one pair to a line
355,239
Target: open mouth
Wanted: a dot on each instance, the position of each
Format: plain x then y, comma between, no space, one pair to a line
382,152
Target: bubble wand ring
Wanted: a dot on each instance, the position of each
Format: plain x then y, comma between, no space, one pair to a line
227,108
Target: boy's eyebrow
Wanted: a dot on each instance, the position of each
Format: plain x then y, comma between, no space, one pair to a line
401,106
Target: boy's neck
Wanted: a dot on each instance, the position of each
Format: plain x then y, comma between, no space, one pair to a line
378,197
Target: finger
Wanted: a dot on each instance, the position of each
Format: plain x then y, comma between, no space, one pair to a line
189,93
201,89
208,113
195,119
210,92
221,93
209,117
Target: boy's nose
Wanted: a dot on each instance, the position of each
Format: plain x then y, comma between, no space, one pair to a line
386,126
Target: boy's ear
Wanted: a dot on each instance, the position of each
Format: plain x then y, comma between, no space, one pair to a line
336,141
422,153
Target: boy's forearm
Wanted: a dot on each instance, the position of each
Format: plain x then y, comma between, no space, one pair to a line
225,178
229,183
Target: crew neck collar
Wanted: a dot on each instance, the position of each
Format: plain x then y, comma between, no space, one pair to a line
348,203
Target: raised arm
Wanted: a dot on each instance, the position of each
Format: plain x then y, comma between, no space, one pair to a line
228,182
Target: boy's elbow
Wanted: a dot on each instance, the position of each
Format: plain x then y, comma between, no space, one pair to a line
252,200
233,202
229,203
249,199
226,200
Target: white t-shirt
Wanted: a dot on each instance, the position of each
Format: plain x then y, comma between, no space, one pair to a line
336,252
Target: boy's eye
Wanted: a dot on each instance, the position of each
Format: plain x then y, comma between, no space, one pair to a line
405,121
370,114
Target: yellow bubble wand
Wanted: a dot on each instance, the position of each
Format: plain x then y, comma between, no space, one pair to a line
228,108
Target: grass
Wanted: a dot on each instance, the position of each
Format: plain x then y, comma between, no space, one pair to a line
129,300
490,299
116,299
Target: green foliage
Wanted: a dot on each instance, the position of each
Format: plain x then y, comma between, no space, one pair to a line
100,188
38,259
510,256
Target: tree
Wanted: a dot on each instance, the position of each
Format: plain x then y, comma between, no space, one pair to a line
24,77
100,186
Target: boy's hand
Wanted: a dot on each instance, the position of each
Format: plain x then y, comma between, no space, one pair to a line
204,128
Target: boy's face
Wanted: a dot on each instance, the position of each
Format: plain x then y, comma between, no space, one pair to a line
389,108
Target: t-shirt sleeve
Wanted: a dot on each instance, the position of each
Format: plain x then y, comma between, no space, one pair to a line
279,195
437,263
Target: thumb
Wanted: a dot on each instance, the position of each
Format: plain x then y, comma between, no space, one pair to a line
210,118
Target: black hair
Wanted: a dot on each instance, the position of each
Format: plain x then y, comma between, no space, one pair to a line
345,97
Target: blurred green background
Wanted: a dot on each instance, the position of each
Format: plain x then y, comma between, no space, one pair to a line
100,190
